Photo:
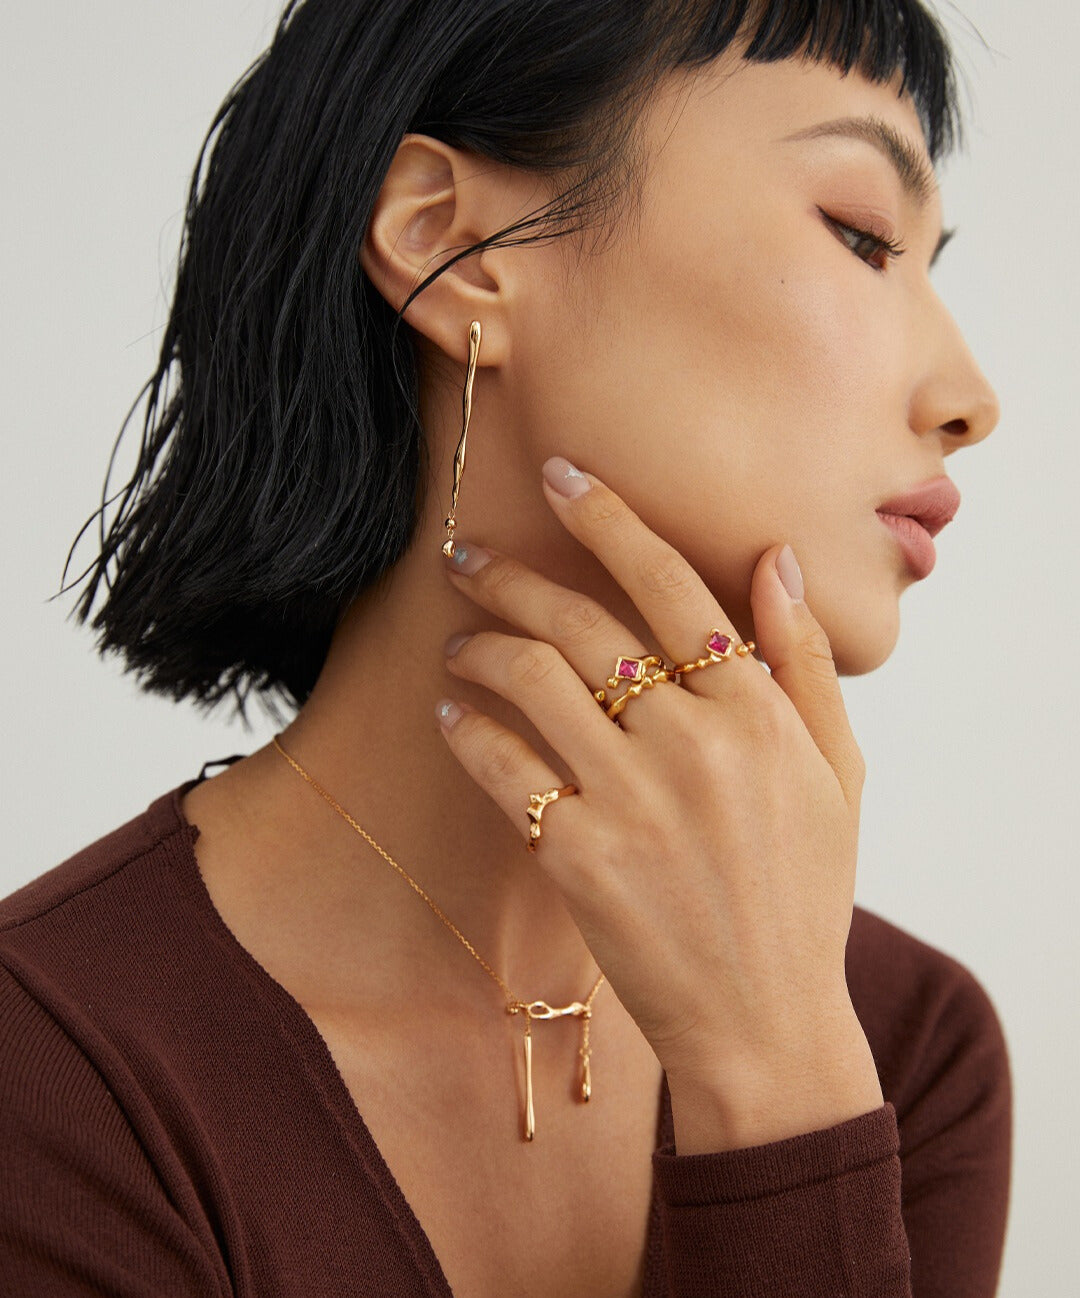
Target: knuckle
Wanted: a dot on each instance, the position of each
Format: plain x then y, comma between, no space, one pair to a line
532,663
576,620
499,759
604,508
666,576
712,748
501,574
816,649
710,754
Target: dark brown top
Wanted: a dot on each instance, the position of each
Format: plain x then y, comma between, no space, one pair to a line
171,1121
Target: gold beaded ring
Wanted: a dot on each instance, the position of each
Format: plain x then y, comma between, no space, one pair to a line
644,673
647,682
720,649
637,670
629,669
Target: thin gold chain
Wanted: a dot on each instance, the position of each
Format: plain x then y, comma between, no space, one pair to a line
513,1003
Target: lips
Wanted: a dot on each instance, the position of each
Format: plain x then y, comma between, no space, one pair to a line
914,541
932,504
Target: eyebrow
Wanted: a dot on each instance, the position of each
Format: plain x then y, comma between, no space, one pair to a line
916,174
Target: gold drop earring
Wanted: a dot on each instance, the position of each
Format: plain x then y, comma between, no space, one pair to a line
537,1009
459,454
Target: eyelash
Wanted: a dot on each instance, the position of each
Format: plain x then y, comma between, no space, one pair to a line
891,247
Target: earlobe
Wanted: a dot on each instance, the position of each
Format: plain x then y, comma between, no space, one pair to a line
422,218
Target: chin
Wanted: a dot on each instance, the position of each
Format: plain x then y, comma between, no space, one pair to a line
861,645
861,620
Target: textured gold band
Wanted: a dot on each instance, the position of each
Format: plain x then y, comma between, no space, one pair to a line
535,809
719,648
646,672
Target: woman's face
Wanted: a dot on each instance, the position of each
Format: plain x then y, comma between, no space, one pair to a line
739,370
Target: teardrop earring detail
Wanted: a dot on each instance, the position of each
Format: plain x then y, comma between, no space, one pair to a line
459,454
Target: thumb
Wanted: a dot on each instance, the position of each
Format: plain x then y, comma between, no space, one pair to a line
797,650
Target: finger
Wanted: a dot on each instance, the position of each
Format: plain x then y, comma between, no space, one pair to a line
795,646
535,677
508,769
675,602
590,638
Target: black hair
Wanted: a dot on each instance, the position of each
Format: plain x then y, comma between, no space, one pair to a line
284,407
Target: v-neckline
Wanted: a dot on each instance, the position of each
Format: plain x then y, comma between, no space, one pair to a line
315,1055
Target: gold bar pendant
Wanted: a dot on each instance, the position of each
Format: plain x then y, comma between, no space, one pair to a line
530,1119
542,1010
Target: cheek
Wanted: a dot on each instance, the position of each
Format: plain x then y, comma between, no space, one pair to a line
772,355
735,397
787,326
744,374
795,343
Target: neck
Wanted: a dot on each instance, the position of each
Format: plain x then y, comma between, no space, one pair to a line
369,736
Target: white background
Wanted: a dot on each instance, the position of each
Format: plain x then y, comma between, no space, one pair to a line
969,823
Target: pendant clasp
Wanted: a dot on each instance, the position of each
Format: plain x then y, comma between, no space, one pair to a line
542,1010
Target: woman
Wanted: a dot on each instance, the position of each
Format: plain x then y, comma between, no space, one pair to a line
663,271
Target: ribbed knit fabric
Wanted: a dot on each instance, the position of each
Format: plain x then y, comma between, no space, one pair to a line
172,1123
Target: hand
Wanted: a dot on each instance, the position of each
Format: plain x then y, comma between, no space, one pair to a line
709,856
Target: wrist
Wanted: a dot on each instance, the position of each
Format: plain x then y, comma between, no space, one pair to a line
757,1100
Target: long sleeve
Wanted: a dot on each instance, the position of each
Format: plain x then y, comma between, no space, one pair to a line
908,1200
813,1216
172,1123
952,1088
82,1211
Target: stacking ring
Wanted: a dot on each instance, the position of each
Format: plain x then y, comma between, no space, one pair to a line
720,649
535,809
644,673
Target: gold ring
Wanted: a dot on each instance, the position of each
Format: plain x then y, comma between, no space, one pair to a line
647,682
635,670
537,803
720,648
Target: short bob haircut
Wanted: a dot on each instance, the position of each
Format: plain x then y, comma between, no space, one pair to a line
291,452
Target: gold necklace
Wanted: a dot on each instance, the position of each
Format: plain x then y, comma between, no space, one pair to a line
529,1009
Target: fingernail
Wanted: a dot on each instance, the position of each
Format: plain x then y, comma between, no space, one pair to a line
455,642
790,572
468,559
448,712
561,476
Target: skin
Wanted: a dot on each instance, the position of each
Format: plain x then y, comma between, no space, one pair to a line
731,376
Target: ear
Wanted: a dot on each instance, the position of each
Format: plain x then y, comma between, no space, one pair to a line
436,200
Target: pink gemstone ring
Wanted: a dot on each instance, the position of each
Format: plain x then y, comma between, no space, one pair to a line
720,647
635,671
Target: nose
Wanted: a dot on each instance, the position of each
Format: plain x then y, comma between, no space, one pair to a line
953,395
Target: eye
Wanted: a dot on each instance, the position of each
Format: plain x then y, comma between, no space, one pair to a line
865,244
